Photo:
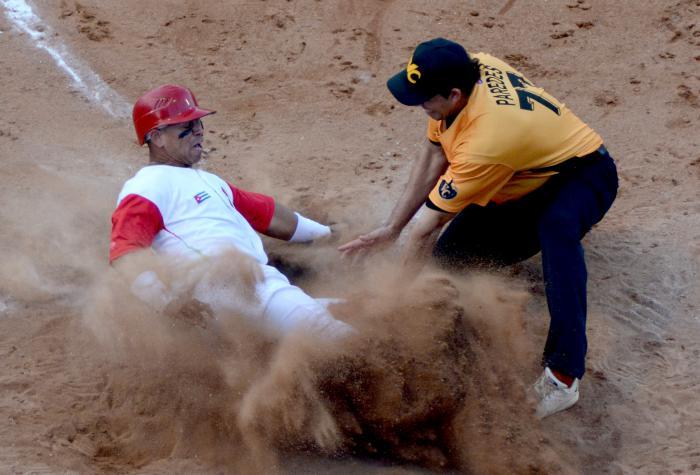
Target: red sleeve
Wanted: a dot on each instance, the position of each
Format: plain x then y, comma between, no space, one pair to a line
257,209
135,223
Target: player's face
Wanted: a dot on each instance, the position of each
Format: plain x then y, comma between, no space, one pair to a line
440,108
183,142
437,107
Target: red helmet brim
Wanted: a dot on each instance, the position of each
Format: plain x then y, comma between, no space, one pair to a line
192,114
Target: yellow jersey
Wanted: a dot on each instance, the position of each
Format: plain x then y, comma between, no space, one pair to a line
507,131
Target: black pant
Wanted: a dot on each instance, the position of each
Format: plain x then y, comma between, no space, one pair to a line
552,219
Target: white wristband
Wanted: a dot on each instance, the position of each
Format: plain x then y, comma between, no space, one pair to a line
308,230
151,290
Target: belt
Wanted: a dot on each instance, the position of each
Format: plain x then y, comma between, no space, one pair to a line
574,162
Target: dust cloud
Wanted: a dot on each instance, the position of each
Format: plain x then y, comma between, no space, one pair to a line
432,377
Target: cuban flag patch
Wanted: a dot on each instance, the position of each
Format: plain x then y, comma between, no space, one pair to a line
201,196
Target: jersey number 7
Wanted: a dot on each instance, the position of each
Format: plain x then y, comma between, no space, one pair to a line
526,97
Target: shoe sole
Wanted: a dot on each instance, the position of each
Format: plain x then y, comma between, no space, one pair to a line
574,401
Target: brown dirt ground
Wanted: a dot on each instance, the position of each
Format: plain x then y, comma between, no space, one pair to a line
303,114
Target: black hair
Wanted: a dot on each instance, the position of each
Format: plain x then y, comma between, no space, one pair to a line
464,80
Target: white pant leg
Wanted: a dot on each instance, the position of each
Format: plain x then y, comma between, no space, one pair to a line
226,297
282,306
286,307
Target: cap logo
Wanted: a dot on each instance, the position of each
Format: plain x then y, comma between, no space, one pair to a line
412,72
161,102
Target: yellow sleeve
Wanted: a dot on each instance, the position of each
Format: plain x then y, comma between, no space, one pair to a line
433,133
473,183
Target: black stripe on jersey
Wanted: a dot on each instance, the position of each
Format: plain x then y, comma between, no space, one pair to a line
429,203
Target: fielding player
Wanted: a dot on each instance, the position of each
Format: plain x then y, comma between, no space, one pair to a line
513,172
186,213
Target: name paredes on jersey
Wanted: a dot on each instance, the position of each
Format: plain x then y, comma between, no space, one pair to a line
498,88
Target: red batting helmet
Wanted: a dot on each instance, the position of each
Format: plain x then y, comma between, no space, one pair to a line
165,105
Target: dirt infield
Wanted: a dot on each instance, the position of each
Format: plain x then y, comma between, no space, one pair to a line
435,379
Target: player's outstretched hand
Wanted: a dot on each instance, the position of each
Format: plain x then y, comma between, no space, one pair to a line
381,235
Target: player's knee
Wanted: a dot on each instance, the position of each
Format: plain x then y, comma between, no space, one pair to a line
559,224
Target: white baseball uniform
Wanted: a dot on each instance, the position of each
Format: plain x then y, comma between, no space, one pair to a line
188,213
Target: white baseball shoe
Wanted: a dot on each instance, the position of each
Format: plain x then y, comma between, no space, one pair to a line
553,395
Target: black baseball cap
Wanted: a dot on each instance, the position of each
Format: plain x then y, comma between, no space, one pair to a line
434,65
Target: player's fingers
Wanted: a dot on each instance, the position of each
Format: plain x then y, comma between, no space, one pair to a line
352,245
347,253
354,255
372,236
344,248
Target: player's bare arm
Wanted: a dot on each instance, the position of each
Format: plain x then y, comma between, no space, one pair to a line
283,224
423,236
425,171
291,226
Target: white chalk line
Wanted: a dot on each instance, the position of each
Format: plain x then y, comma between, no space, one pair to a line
89,83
